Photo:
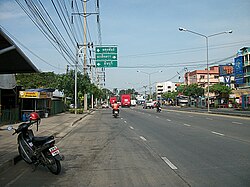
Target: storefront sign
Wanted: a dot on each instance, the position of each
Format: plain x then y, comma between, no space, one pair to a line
23,94
35,95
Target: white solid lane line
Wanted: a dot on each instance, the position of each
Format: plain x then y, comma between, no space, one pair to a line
170,164
237,123
187,125
217,133
209,118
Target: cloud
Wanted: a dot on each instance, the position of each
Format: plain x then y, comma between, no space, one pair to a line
10,10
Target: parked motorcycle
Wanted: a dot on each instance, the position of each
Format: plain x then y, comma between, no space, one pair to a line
116,113
37,150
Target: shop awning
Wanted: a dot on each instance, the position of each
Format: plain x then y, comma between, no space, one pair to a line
12,59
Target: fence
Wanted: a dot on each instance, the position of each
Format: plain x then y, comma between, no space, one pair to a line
9,116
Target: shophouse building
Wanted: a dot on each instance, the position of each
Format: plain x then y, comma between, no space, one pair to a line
200,77
242,77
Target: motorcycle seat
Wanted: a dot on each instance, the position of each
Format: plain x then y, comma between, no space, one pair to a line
37,141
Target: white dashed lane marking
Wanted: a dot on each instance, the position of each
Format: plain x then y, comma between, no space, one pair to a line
144,139
217,133
170,164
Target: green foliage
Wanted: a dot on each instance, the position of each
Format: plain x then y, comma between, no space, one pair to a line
128,91
169,95
37,80
62,82
220,90
193,90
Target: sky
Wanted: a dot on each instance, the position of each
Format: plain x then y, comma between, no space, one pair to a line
146,34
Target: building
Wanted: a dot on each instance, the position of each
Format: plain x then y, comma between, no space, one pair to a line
242,77
200,77
163,87
242,68
12,60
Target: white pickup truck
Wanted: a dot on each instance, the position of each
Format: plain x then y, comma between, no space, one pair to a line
149,104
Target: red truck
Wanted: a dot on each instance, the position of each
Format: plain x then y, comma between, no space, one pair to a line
125,100
112,100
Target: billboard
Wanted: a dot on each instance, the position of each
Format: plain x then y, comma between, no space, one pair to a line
226,70
238,70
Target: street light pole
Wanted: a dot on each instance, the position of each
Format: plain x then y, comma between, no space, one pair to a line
206,37
149,80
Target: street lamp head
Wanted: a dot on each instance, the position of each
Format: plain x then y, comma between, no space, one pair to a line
230,31
137,71
182,29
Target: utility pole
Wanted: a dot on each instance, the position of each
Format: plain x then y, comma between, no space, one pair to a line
85,49
84,46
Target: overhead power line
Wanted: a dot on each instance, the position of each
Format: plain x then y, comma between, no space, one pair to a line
185,50
16,40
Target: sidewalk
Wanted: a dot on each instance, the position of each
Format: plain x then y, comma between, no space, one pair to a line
58,125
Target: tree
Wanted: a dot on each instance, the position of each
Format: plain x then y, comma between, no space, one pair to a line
62,82
220,90
169,95
193,90
37,80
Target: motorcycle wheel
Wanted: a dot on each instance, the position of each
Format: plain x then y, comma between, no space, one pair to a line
54,166
23,156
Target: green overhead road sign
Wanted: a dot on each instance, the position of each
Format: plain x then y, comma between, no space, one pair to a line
106,57
106,64
109,57
106,50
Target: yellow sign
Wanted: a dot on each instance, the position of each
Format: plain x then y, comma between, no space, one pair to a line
24,94
43,95
35,95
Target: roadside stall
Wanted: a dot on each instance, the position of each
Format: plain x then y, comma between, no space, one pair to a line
35,100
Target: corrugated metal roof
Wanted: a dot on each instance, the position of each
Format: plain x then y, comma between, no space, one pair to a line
12,59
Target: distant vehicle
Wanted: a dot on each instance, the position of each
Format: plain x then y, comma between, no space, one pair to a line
125,100
182,100
133,102
149,104
112,100
104,105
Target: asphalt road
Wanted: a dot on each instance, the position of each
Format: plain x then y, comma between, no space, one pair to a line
145,148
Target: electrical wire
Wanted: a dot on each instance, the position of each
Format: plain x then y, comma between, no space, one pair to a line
16,40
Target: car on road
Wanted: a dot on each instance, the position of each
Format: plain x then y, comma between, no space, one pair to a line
104,105
149,104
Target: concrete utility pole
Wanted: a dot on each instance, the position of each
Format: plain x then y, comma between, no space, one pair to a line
76,80
85,50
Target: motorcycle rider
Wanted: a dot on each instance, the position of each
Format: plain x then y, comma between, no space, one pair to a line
158,105
115,106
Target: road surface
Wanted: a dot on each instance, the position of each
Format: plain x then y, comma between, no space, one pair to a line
145,148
